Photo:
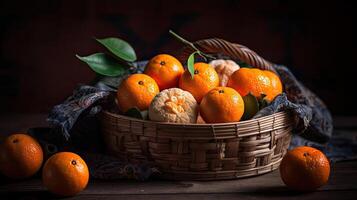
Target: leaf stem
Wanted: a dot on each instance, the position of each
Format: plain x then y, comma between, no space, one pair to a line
190,44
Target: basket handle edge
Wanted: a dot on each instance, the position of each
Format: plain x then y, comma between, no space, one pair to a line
232,50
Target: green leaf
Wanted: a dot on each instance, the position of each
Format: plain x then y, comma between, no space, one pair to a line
251,106
263,102
243,64
191,63
103,64
119,48
136,113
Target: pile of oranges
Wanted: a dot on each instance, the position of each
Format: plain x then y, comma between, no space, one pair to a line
217,103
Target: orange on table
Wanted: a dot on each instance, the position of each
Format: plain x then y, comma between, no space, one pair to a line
21,156
275,83
165,69
65,174
222,104
205,78
137,90
304,169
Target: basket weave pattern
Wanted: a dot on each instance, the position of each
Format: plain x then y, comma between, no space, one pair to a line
204,151
201,151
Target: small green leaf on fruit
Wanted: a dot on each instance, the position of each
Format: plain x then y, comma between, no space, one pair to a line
251,106
134,112
191,63
119,48
243,64
263,102
103,64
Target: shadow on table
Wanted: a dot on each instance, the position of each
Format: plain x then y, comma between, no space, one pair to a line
29,195
273,191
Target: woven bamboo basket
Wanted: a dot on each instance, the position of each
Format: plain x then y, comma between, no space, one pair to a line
203,151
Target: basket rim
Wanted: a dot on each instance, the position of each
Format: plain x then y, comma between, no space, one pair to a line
275,115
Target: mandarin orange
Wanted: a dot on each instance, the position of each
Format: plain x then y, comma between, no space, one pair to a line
277,86
137,90
165,69
21,156
65,174
251,80
305,169
222,104
205,78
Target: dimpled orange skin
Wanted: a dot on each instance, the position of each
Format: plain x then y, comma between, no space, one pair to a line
222,104
165,69
137,90
21,156
65,174
304,169
277,87
251,80
205,79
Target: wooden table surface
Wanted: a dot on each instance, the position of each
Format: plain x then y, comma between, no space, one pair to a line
342,183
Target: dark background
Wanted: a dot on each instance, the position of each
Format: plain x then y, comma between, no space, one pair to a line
39,40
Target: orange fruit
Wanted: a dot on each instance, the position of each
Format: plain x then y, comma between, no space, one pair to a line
65,174
255,81
21,156
222,104
137,90
166,70
304,169
205,79
277,87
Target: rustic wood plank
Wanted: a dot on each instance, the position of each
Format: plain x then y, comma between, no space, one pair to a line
271,194
343,177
